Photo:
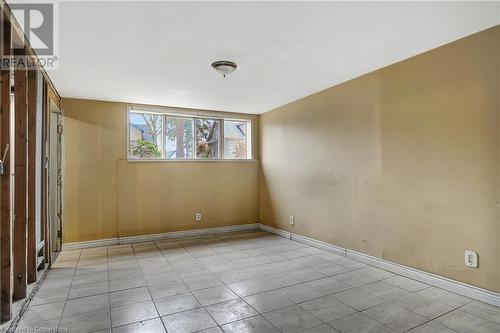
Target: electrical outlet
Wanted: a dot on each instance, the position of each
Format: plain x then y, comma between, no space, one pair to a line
471,259
292,220
197,216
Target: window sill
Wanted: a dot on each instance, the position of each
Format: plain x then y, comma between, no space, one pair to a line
133,160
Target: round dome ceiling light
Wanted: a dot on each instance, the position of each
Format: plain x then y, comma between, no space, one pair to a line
224,67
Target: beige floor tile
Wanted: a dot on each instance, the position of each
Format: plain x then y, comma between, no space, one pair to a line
358,299
444,296
197,281
214,295
268,301
129,296
292,319
176,303
306,274
50,295
189,321
126,283
147,326
327,308
44,312
131,313
464,322
484,311
300,293
431,327
86,304
94,277
129,287
328,285
406,284
84,290
322,329
86,322
257,324
230,311
167,289
50,325
383,290
394,316
330,269
359,323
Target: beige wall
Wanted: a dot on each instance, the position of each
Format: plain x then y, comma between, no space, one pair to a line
106,196
402,163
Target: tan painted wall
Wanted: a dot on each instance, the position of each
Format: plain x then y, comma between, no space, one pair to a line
106,196
402,163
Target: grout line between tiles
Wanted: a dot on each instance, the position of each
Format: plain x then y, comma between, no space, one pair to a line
193,247
191,291
109,294
149,292
69,290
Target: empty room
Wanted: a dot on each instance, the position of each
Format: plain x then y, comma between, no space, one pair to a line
260,167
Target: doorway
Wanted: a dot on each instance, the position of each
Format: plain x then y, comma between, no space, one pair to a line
55,178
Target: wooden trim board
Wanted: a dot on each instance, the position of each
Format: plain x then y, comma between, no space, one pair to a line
20,227
31,174
5,213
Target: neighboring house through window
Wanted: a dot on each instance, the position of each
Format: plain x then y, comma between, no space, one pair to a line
154,135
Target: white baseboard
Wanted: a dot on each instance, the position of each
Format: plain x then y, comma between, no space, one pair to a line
279,232
165,235
319,244
480,294
189,233
89,244
457,287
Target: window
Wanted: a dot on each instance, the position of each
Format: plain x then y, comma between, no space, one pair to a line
207,138
179,137
237,143
171,136
145,133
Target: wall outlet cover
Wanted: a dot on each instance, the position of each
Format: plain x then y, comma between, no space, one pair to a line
471,259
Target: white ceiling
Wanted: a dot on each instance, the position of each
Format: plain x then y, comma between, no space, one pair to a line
160,52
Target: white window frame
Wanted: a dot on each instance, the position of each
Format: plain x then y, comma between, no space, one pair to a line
249,137
191,115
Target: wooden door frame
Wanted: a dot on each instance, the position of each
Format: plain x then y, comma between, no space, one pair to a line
20,181
53,171
45,174
31,174
5,213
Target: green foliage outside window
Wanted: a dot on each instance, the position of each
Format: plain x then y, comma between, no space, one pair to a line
146,149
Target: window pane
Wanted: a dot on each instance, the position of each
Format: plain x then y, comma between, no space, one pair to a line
207,138
237,139
145,135
179,137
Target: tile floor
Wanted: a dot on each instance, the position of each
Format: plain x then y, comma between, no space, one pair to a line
241,282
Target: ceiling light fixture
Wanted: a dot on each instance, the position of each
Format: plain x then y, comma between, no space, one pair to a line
224,67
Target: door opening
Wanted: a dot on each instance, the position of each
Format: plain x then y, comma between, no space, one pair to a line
55,178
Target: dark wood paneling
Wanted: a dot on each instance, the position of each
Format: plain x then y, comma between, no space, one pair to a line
5,220
31,216
20,142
